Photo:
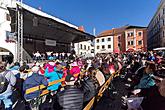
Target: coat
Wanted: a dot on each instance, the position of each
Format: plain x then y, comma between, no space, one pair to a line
52,76
145,82
12,81
34,80
89,89
71,98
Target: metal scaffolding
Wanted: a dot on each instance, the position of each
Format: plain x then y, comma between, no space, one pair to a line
19,33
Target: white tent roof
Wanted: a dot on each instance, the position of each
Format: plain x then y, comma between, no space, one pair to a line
161,48
104,51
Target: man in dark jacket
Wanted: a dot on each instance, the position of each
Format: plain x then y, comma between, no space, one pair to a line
34,80
71,98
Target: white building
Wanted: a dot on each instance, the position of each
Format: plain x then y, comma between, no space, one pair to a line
104,44
83,48
5,29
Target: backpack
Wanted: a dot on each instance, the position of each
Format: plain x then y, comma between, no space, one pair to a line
3,82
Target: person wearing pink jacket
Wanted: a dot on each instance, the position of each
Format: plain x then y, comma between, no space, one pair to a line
75,69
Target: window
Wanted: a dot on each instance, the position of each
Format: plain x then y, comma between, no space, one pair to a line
109,39
139,33
163,10
98,47
80,46
131,33
81,53
128,35
129,43
97,40
139,42
92,51
109,46
103,47
163,33
7,17
119,38
84,47
132,42
88,47
163,22
103,40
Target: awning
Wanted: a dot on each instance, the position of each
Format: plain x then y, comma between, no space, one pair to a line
130,50
116,51
104,51
161,48
39,25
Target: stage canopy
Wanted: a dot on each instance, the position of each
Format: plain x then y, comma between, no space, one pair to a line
40,26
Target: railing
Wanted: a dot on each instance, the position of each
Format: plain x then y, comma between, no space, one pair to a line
40,87
90,104
26,56
101,91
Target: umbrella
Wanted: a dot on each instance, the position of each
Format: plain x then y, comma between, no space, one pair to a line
130,50
88,55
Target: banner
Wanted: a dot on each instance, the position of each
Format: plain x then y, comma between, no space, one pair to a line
50,42
4,53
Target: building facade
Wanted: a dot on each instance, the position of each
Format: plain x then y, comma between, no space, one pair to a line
83,48
122,39
156,28
115,40
104,42
7,44
136,38
119,39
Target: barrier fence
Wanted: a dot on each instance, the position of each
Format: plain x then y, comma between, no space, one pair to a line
91,102
101,91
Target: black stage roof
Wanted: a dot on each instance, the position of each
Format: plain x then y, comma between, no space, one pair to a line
40,26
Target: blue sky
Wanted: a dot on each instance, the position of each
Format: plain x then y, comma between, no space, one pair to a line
101,14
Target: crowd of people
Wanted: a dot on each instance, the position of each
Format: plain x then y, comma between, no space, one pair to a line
144,73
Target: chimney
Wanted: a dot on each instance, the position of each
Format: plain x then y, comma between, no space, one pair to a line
81,28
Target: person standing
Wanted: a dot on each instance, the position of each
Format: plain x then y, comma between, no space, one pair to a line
32,81
38,56
53,73
8,80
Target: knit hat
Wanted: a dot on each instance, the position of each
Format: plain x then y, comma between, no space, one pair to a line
35,69
50,58
74,64
52,63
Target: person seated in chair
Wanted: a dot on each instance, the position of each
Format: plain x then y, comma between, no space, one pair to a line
71,98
